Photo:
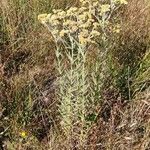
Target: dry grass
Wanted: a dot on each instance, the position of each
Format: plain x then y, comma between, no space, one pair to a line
27,75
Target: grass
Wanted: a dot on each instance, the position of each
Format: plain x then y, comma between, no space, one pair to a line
55,97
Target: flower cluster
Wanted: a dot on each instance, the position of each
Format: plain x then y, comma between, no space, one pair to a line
23,134
82,23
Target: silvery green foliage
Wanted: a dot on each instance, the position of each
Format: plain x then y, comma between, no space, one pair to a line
78,89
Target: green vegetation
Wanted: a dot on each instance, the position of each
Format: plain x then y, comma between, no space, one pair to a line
74,75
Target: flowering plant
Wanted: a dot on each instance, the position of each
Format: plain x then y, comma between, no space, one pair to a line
78,28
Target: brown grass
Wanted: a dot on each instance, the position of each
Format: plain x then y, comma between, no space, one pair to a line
27,72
